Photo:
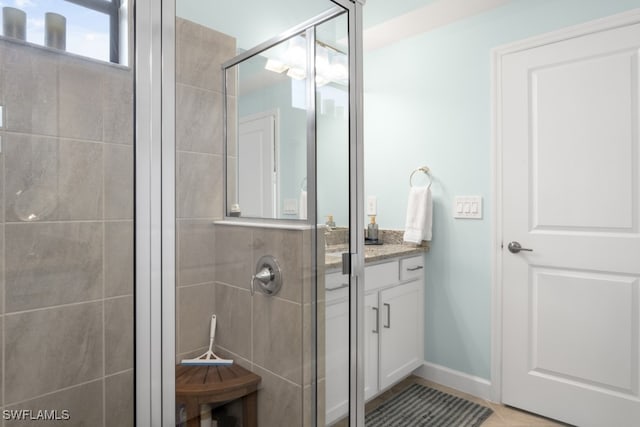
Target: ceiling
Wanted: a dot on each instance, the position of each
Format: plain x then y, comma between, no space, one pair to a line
379,11
425,15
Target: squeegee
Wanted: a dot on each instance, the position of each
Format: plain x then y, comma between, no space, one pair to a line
209,357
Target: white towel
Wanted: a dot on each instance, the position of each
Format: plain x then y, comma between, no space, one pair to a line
302,209
419,215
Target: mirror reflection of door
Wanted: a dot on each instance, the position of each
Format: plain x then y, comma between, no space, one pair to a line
257,174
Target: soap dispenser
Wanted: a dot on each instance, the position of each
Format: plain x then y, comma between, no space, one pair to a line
372,230
331,224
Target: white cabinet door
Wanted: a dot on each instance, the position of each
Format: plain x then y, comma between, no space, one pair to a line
371,334
337,360
401,332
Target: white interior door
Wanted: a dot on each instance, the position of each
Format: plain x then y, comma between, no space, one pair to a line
257,166
568,123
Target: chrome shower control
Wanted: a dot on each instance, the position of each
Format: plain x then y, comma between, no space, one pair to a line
268,275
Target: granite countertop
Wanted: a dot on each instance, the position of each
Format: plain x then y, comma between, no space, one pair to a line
372,253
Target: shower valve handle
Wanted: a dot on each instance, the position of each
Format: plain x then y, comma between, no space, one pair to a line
268,274
265,276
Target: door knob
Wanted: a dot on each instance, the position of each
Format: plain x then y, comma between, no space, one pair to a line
515,247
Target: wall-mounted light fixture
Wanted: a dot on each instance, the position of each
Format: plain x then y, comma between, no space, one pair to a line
331,64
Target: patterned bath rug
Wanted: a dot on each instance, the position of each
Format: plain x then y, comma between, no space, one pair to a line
420,406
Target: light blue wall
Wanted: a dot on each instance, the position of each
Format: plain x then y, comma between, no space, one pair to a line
428,102
332,154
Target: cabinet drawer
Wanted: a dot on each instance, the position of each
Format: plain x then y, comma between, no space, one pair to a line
380,275
411,268
336,286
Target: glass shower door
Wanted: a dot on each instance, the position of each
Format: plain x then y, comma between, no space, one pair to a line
263,216
332,159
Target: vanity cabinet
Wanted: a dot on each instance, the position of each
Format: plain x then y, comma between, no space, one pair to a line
393,329
401,349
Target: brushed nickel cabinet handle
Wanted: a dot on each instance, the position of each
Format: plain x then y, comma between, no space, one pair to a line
388,325
376,330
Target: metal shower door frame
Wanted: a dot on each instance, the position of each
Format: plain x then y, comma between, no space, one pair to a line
151,272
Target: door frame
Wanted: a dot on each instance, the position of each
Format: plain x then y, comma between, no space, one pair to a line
623,19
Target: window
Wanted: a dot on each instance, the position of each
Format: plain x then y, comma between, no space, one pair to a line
110,8
94,28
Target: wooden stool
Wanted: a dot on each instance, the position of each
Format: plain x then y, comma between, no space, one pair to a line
198,385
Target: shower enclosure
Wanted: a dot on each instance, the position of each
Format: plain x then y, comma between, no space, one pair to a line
265,171
145,177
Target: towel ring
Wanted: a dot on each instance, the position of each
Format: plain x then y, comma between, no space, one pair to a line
423,169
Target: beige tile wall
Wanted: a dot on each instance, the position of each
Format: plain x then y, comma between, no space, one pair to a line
199,53
269,335
66,236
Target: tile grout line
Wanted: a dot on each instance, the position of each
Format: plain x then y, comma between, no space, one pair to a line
70,221
199,153
26,133
59,390
275,298
71,304
194,86
115,374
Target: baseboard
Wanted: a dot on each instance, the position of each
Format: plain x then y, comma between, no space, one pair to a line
457,380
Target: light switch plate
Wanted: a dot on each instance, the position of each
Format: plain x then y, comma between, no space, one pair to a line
372,205
290,206
467,207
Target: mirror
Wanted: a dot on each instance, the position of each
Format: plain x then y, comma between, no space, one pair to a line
268,110
332,124
266,130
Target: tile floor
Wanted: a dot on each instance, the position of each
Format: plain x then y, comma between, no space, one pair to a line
503,416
